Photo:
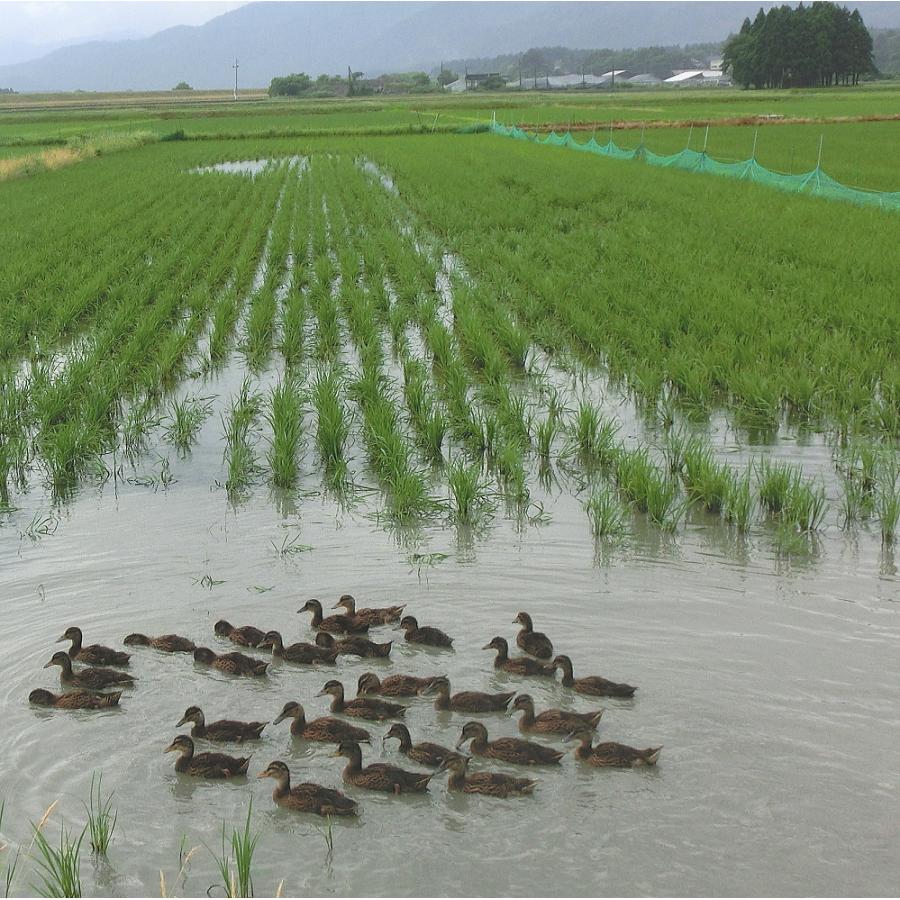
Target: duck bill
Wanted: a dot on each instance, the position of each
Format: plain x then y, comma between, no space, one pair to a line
487,647
49,664
170,748
263,774
279,718
181,721
60,640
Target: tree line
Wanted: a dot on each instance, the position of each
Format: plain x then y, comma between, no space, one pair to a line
807,46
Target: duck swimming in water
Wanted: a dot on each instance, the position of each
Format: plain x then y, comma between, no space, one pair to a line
353,646
380,776
465,701
519,665
553,721
168,643
609,754
512,750
205,765
74,699
307,654
375,615
232,663
362,707
225,730
245,636
325,728
95,654
491,784
593,685
531,641
338,624
425,753
306,797
425,634
93,678
393,685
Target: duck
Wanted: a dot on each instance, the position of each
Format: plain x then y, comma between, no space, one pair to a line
491,784
168,643
518,665
205,765
95,654
338,624
466,701
380,776
553,721
306,797
91,677
224,730
246,635
74,699
512,750
361,707
592,684
534,642
353,646
374,615
609,754
425,634
324,729
425,753
393,685
297,653
233,663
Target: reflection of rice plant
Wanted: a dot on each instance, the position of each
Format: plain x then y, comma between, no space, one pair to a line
606,516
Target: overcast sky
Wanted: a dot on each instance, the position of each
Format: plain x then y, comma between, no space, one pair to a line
53,22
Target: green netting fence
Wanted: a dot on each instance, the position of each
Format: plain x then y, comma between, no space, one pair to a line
816,182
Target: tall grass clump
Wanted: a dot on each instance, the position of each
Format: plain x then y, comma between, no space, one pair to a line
545,435
235,863
791,498
59,868
887,502
239,435
706,481
285,416
183,421
776,484
594,435
468,493
648,489
332,426
606,516
101,817
738,507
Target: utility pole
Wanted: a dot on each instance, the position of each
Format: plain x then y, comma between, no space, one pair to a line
235,67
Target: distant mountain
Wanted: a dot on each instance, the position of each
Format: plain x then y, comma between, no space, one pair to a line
272,39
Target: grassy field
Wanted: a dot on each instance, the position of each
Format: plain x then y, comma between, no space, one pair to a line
423,302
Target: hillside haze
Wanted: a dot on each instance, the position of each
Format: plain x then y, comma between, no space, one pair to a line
272,39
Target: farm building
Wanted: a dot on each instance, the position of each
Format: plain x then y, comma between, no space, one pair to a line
699,78
645,78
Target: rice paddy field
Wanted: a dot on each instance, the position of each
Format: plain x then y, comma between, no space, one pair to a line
344,349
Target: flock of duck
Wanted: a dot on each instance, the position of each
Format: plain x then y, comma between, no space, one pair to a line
96,685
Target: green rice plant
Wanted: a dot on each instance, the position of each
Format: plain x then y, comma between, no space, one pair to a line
140,420
10,865
674,449
606,516
260,327
776,484
648,489
738,507
185,418
806,506
101,817
433,433
856,502
887,503
235,863
594,435
58,868
240,457
510,468
468,497
546,433
285,417
332,426
706,481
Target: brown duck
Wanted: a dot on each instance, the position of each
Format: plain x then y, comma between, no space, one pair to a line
553,721
324,729
168,643
519,665
306,797
380,776
424,634
373,615
74,699
425,753
225,730
92,678
232,663
246,635
534,642
353,646
338,624
592,684
361,707
512,750
609,754
307,654
95,654
491,784
392,686
205,765
466,701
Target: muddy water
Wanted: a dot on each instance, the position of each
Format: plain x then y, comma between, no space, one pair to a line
772,685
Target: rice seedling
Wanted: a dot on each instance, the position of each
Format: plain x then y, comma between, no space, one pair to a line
648,489
776,484
606,516
706,481
738,506
59,868
594,435
510,468
184,420
468,496
101,817
806,506
332,427
546,434
887,502
235,864
240,457
285,416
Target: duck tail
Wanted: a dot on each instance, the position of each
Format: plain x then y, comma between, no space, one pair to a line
651,755
113,698
244,765
528,787
596,717
258,728
384,649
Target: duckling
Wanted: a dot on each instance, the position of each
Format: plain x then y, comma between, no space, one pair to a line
361,707
205,765
513,750
74,699
379,776
246,635
339,624
519,665
95,654
233,663
297,653
492,784
534,642
392,686
353,646
168,643
324,729
466,701
226,730
609,754
306,797
374,615
95,678
553,721
425,634
592,684
426,753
